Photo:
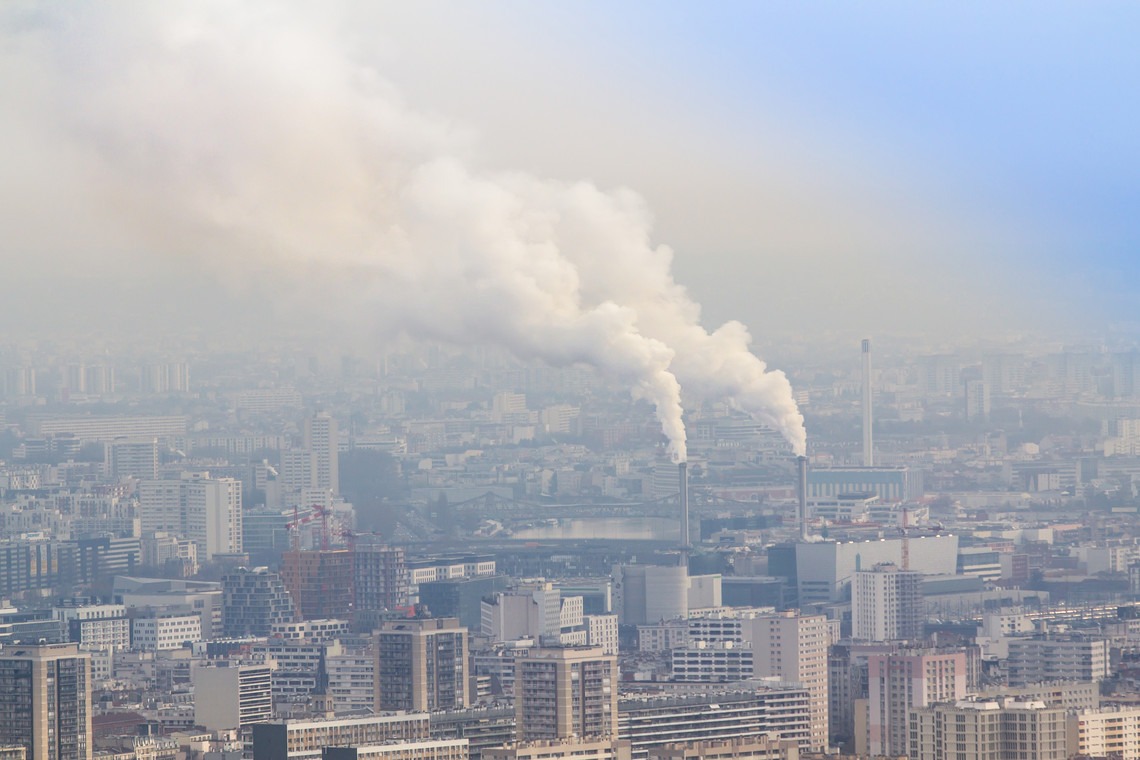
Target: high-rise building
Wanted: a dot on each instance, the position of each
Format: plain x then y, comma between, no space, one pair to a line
100,379
320,582
977,394
298,476
1126,374
422,665
101,558
213,515
253,602
203,509
899,681
45,700
886,604
461,597
847,685
172,377
1104,732
352,681
321,439
131,458
1057,658
1004,374
565,693
381,575
534,610
509,407
35,566
940,374
238,695
160,506
793,646
75,378
1001,730
653,720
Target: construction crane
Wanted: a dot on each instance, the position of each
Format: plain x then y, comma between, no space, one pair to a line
905,531
294,527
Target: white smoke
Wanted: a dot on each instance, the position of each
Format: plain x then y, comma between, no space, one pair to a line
252,141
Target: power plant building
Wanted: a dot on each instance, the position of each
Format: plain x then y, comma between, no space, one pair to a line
825,569
891,484
651,593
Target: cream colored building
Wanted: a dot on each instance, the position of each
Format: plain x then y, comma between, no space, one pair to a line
991,730
566,692
1106,732
290,740
436,749
568,749
793,647
742,748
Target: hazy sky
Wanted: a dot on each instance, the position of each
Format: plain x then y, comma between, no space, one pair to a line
863,168
898,165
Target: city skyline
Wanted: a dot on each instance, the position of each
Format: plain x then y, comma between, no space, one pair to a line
568,381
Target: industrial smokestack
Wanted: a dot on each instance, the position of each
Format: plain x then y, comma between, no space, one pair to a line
801,489
683,473
868,449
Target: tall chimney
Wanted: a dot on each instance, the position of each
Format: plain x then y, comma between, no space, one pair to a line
683,472
801,488
868,448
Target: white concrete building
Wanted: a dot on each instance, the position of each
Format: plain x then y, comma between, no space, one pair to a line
602,631
162,631
197,507
886,604
712,662
97,627
1059,658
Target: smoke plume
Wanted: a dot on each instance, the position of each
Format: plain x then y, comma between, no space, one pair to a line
257,144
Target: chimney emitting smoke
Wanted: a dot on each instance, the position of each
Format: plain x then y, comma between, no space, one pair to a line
801,488
683,473
328,188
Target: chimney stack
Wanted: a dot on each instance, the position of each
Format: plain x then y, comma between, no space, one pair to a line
868,449
801,488
683,472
